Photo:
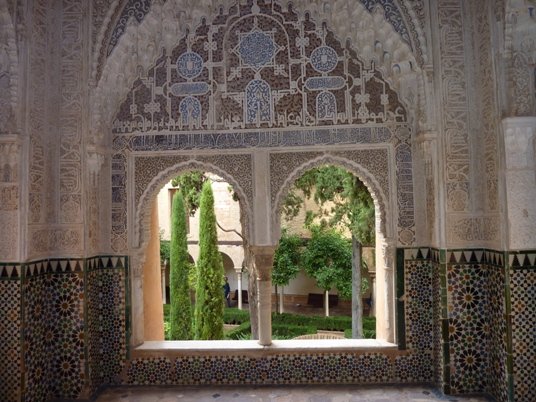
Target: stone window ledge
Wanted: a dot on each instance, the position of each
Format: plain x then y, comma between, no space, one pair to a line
252,347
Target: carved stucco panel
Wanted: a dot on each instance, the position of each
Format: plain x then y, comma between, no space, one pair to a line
162,25
9,239
57,240
156,171
9,70
453,78
9,197
523,85
461,230
73,46
37,126
370,165
488,108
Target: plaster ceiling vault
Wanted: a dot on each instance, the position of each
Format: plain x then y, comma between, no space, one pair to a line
388,33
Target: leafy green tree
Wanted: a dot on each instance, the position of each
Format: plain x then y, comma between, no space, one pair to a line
181,307
209,304
190,185
286,260
328,259
344,202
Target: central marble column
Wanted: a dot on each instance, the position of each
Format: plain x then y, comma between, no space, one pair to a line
263,258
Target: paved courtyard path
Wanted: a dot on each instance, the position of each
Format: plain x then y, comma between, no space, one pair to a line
340,393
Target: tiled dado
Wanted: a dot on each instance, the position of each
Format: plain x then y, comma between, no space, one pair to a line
522,277
302,368
106,314
46,325
54,329
10,332
464,309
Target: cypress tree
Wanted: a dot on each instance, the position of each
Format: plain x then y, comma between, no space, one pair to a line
181,307
209,304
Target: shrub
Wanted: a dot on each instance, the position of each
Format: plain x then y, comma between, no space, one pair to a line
242,332
235,316
333,323
291,331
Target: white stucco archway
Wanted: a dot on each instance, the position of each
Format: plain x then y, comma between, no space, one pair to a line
385,243
140,218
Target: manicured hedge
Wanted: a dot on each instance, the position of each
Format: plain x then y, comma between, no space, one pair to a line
243,331
235,316
284,325
333,323
286,331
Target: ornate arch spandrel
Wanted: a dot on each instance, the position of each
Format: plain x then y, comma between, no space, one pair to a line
154,179
286,168
161,25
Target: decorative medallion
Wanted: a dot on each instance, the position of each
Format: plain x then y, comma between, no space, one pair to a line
189,65
324,59
256,49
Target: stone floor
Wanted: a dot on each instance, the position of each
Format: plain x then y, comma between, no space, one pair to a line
282,394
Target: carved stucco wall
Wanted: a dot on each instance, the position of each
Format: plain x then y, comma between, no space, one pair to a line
9,71
468,125
56,123
374,39
268,68
520,57
10,143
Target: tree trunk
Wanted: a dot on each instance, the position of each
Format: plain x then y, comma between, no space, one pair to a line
326,303
357,301
281,298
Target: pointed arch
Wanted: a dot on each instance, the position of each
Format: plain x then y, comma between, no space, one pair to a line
148,195
379,197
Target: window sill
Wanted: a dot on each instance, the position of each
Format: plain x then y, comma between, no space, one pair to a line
252,347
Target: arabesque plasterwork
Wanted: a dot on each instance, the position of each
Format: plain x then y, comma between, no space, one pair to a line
159,29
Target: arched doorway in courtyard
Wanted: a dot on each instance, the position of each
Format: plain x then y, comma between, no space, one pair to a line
229,220
330,209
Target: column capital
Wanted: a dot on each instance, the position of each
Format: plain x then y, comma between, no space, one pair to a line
263,258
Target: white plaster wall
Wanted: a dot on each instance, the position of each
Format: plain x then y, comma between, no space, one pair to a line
520,175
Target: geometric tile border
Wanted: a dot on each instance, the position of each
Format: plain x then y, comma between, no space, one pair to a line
468,308
489,312
10,332
497,313
418,301
303,368
469,328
